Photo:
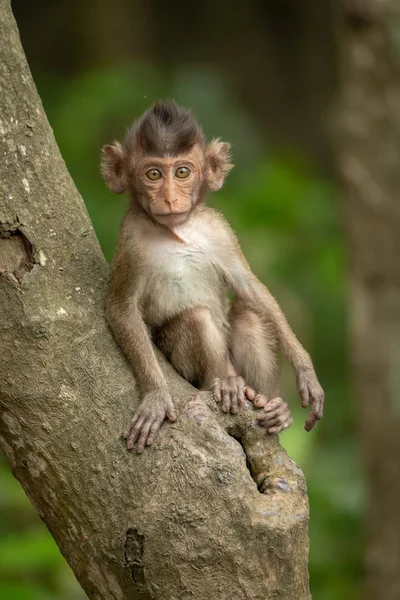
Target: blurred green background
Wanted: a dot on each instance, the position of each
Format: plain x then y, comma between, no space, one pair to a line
98,65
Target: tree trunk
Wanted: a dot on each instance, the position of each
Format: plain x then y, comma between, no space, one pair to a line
369,153
184,520
279,54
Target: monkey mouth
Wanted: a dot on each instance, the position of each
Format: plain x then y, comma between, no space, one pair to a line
171,219
172,214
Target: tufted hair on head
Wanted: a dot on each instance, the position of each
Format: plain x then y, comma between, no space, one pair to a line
165,129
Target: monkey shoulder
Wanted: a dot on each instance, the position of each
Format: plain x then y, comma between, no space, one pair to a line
225,238
218,224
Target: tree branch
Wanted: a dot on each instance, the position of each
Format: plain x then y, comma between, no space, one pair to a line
183,520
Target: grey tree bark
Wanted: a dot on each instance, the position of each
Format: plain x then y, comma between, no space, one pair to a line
369,160
215,509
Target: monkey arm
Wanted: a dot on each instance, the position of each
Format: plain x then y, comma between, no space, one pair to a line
156,405
123,311
249,290
126,321
254,295
133,337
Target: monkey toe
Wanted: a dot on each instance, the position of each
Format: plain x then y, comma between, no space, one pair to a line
260,401
282,427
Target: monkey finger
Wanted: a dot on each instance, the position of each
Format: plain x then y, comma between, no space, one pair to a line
250,393
277,409
226,402
275,404
263,422
154,429
234,402
171,414
305,397
318,404
241,396
311,421
216,391
276,416
134,432
130,436
279,420
131,424
269,421
143,436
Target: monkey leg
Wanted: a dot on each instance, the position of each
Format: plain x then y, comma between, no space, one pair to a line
196,344
253,347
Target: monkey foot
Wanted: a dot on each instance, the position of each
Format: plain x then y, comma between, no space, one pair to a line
275,414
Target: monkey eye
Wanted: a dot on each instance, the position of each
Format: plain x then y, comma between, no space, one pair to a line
182,172
153,174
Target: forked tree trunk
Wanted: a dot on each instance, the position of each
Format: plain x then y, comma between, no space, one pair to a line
369,153
183,521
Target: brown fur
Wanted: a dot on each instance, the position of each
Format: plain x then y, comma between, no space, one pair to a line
175,262
165,130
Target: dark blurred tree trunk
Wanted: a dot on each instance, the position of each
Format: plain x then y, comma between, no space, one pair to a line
71,35
369,154
279,55
184,520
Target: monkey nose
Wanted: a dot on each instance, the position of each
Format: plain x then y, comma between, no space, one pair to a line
170,202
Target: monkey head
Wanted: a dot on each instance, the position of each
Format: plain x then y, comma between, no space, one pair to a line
166,164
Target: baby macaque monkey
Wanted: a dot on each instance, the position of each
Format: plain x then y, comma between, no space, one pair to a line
175,262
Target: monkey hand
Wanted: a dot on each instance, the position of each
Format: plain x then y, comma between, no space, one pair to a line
310,393
275,416
231,393
154,408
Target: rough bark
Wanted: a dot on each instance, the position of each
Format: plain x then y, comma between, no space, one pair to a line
184,520
369,153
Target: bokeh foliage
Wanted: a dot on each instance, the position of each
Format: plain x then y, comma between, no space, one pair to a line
287,220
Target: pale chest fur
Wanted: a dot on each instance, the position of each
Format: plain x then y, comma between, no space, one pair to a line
183,272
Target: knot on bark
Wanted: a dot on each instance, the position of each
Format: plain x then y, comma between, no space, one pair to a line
134,547
17,255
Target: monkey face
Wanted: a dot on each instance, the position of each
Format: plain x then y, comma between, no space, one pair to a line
169,187
166,164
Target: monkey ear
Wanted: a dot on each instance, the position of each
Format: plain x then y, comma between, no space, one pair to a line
218,157
113,168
